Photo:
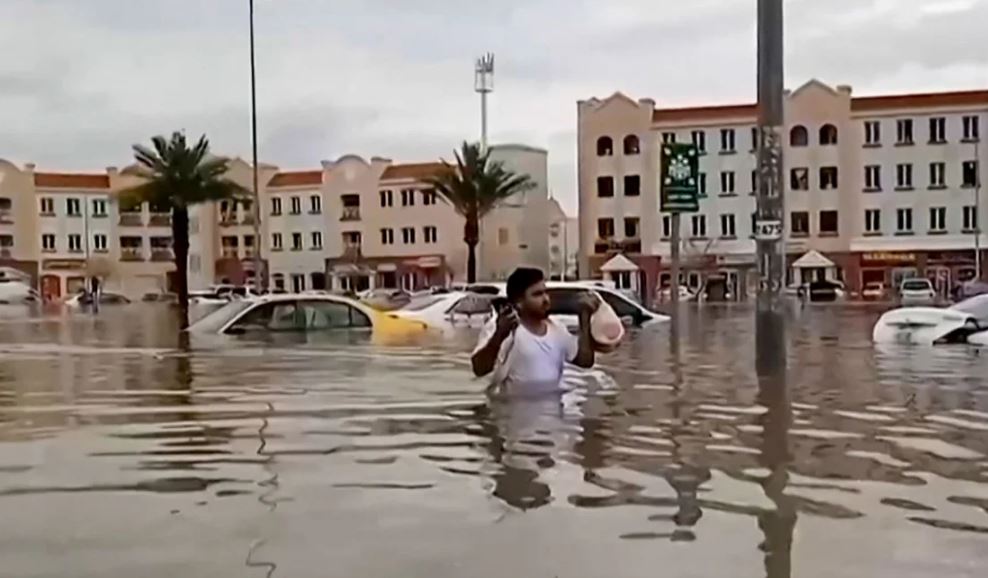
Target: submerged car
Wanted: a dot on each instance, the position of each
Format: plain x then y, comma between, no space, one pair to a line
965,322
304,314
917,291
105,298
16,292
386,299
874,291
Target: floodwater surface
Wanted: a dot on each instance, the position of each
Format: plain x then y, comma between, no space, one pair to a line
123,455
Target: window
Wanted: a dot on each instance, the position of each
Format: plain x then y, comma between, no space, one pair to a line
605,147
799,136
828,223
429,197
502,236
904,177
904,221
701,185
315,204
296,205
668,138
873,221
72,207
47,242
937,175
75,243
972,130
828,135
904,131
873,178
605,187
387,236
873,133
728,229
727,140
275,206
938,219
970,219
799,179
47,206
605,228
828,178
699,226
99,208
632,186
387,198
699,140
727,183
431,234
316,239
296,241
969,174
800,223
408,235
276,242
666,226
408,198
631,225
938,130
631,145
100,243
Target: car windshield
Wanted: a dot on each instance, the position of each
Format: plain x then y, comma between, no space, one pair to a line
217,319
422,303
916,285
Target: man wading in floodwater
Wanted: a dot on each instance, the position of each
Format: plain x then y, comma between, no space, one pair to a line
523,348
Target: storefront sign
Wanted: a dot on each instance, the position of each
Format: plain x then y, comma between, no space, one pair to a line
429,262
892,258
63,265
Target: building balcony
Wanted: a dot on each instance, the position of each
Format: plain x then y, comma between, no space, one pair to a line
350,214
352,251
247,219
249,253
6,217
229,220
230,253
6,253
131,220
162,255
131,254
160,220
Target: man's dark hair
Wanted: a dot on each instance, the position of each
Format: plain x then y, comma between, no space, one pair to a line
520,280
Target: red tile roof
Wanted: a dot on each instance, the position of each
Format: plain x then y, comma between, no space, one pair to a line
416,172
71,181
928,100
704,113
296,179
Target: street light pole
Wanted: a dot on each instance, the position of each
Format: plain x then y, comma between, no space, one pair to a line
977,211
770,217
258,273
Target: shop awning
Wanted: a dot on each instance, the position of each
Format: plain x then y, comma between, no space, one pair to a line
813,260
619,264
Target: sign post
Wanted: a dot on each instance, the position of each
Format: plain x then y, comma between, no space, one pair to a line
679,194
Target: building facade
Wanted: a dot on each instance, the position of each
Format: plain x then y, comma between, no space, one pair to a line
877,188
564,243
353,224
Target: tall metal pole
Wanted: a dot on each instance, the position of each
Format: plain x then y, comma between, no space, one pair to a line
770,220
977,211
258,273
484,85
675,245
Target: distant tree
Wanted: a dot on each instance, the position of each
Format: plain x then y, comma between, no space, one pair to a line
177,177
475,186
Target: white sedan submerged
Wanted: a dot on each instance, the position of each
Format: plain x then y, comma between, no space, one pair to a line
965,322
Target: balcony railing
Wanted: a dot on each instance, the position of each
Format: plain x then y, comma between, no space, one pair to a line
352,251
228,220
249,253
350,214
247,219
162,255
131,254
160,220
131,220
229,253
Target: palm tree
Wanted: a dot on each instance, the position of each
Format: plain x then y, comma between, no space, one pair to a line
177,177
475,186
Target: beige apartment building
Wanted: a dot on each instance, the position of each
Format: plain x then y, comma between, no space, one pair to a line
877,188
353,224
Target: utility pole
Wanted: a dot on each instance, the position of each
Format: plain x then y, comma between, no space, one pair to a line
483,85
675,245
258,273
977,211
770,217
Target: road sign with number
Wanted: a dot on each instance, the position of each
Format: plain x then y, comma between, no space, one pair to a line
770,230
680,178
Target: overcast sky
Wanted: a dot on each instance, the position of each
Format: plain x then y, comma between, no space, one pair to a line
81,80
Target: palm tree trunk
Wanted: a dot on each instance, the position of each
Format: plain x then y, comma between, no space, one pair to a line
471,236
180,246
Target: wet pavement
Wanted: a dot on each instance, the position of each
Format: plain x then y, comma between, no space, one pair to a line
122,455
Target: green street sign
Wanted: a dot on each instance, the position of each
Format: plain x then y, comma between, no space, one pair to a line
680,178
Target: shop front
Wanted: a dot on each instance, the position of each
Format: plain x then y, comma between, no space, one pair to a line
62,277
945,269
408,273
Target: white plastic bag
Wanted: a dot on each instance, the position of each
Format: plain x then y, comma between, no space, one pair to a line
606,328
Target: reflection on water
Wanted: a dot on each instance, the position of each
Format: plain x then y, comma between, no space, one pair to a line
124,451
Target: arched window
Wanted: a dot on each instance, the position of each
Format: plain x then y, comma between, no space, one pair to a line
798,136
828,134
605,146
631,145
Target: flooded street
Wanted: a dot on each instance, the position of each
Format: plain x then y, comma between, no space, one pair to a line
121,455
